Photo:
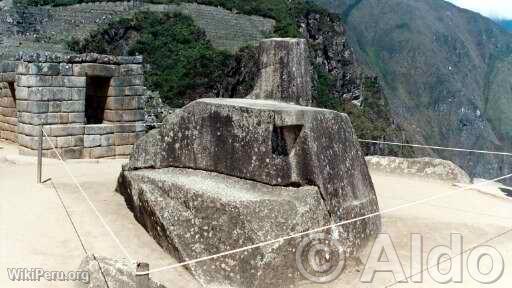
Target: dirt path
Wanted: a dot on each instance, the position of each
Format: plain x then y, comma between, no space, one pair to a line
35,232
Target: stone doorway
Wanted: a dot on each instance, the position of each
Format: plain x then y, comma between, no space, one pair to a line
8,117
96,98
12,89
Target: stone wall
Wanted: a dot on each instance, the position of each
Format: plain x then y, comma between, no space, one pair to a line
8,120
43,28
225,29
51,90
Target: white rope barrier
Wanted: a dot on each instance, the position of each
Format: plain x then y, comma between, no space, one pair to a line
435,147
321,228
286,237
103,125
125,252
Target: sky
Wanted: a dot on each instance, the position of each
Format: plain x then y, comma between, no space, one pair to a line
497,9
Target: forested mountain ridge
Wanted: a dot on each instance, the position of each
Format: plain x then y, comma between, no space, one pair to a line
446,71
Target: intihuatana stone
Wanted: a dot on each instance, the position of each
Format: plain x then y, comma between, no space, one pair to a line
268,142
284,72
273,143
222,174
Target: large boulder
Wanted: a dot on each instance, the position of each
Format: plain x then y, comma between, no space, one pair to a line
193,214
431,168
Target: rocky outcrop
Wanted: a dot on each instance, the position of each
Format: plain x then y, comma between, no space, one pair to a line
284,72
330,53
341,83
155,110
221,174
117,273
422,167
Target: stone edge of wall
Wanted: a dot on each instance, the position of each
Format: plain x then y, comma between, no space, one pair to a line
46,57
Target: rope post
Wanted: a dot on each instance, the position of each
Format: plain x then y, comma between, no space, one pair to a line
40,155
142,281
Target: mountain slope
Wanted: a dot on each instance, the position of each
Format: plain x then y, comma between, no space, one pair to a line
447,73
507,24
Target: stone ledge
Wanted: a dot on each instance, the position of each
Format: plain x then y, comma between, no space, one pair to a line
50,81
436,169
47,57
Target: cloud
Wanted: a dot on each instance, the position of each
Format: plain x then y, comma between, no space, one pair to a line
498,9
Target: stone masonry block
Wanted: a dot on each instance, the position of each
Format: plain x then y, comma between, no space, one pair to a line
125,81
48,69
65,130
32,106
124,150
9,136
107,140
28,130
9,120
102,152
39,81
92,141
77,117
125,103
7,127
76,94
29,118
93,69
71,152
76,82
115,103
7,102
70,141
73,106
34,94
33,142
54,106
8,112
124,116
49,81
121,139
58,118
66,69
8,77
125,91
7,66
131,69
43,118
86,153
130,127
50,94
98,129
